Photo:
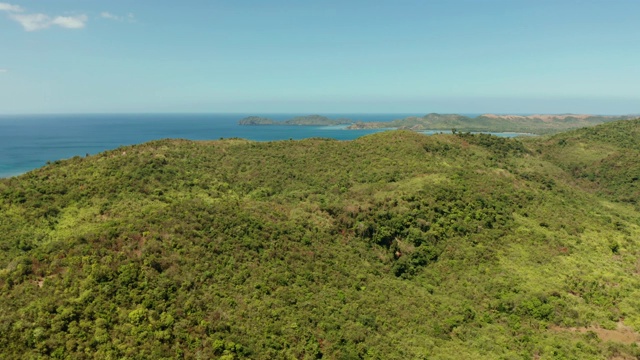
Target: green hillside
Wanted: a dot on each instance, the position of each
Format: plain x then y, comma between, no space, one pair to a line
396,245
607,158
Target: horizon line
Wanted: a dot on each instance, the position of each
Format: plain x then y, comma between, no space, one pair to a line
256,113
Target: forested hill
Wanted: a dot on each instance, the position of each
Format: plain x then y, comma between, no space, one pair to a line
392,246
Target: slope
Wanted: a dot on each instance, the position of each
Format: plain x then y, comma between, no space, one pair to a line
393,246
605,157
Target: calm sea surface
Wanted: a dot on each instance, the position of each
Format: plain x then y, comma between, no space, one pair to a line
29,141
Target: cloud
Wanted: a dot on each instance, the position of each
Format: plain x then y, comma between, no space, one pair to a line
107,15
110,16
71,22
2,71
10,8
34,22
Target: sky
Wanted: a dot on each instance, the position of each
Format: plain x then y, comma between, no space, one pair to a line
322,56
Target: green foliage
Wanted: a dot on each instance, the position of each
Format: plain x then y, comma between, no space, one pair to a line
391,246
604,158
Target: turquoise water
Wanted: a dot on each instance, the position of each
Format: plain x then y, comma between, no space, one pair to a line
29,141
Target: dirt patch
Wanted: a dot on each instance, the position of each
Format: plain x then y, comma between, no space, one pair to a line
622,334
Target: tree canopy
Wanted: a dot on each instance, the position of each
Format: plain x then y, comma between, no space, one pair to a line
396,245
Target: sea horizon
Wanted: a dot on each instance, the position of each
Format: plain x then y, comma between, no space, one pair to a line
328,114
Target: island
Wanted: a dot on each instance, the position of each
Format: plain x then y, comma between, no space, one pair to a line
308,120
256,120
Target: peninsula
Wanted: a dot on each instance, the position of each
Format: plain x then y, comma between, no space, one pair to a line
535,124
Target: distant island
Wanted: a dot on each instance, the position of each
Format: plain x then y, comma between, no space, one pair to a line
309,120
534,124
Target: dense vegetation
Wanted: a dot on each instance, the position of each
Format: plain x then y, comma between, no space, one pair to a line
392,246
308,120
534,124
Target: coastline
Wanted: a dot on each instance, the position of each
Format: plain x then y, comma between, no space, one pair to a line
29,142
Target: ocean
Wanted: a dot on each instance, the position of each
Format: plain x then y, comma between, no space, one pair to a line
28,142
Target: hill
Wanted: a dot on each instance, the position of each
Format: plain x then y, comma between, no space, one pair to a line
392,246
605,158
534,124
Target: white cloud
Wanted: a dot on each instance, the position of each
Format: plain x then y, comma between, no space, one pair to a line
2,71
110,16
71,22
107,15
33,22
10,8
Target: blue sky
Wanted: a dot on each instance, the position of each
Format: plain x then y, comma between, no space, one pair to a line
259,56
